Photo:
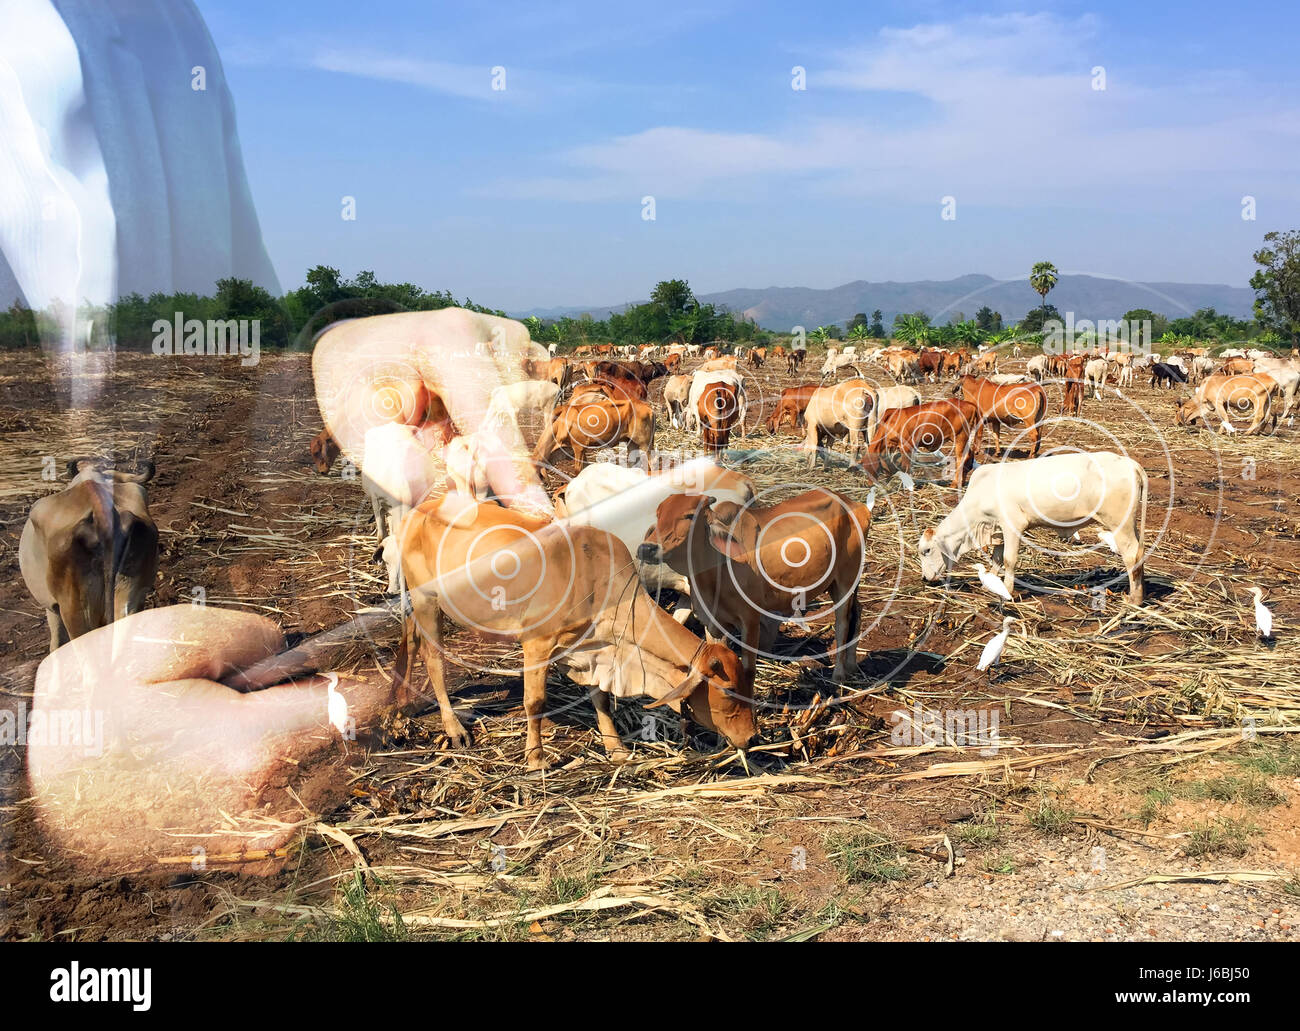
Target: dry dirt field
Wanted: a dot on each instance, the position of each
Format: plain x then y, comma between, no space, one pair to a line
1146,783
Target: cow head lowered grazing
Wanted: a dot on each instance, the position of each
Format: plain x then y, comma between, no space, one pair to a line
89,554
569,595
1063,492
753,566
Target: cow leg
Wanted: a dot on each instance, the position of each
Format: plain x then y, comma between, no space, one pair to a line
404,665
429,620
1130,550
380,522
58,632
609,736
537,657
1010,552
848,620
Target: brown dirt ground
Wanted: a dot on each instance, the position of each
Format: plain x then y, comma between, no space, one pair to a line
836,836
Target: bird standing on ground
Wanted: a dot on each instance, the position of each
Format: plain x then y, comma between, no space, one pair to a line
992,584
993,650
1263,617
871,500
336,705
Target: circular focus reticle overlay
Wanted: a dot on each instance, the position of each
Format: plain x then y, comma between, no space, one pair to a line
392,392
796,554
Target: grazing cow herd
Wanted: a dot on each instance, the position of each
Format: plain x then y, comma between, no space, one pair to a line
654,578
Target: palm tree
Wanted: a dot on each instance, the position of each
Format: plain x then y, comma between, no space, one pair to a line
860,331
1042,277
821,334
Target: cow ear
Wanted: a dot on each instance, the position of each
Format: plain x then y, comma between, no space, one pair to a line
693,680
76,465
143,474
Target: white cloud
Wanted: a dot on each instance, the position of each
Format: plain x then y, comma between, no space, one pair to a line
439,76
1010,118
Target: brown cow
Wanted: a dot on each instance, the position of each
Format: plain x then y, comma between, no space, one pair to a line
598,423
930,364
790,408
757,355
1237,367
1254,391
1020,406
89,554
752,567
843,409
324,450
719,411
673,363
611,379
559,372
1073,403
569,595
952,428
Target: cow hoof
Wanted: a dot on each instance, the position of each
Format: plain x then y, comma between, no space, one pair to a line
538,762
619,755
457,735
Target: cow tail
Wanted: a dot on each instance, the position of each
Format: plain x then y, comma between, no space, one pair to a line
1142,500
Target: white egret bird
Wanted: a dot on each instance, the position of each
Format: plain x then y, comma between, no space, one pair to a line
993,650
907,481
871,500
336,705
993,584
1263,617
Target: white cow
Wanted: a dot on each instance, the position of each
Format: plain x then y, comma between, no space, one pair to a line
1037,367
1094,376
1004,378
526,402
400,466
624,502
887,398
1064,492
1287,374
1202,368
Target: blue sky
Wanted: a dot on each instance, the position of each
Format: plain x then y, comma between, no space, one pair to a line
531,196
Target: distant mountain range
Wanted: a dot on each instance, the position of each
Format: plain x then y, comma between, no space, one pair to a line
1088,297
